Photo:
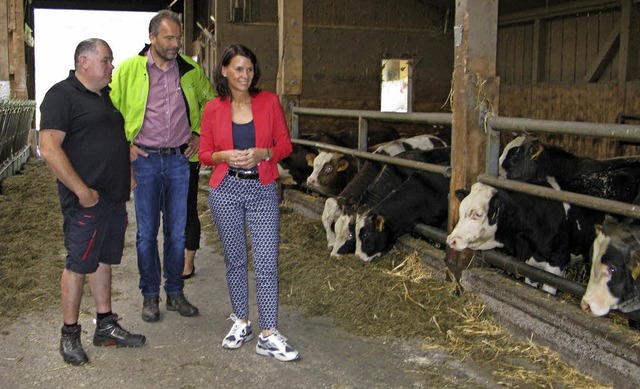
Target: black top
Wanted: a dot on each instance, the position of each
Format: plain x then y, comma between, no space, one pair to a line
95,141
244,137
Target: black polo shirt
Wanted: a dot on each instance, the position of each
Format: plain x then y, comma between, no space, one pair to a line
95,141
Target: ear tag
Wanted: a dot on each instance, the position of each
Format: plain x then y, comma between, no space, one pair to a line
635,272
537,154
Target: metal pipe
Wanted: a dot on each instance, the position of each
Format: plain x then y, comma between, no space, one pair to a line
609,206
415,117
510,264
444,170
624,132
519,268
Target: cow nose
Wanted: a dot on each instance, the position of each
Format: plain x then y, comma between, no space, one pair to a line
451,241
585,307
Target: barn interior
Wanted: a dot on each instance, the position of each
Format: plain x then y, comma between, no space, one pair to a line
560,60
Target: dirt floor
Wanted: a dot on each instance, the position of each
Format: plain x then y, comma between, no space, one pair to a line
186,352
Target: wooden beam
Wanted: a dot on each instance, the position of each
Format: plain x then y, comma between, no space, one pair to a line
475,92
555,11
628,53
4,41
597,66
19,84
290,27
187,26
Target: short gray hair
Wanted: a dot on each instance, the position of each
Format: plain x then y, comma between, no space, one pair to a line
88,46
154,24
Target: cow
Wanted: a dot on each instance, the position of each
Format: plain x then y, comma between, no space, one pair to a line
347,199
421,197
527,159
295,169
533,230
332,171
614,281
415,201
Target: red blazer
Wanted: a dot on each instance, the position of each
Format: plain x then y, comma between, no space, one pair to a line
271,132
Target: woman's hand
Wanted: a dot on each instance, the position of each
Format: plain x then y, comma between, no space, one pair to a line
245,159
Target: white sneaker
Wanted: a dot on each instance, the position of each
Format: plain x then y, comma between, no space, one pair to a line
240,333
275,345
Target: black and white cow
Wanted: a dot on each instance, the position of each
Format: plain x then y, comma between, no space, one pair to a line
532,229
420,198
343,206
527,159
614,281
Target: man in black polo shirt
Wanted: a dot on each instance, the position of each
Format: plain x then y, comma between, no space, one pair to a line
82,141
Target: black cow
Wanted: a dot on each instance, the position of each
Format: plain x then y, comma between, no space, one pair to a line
527,159
421,197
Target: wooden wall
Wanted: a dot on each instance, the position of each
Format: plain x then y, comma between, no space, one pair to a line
574,63
344,44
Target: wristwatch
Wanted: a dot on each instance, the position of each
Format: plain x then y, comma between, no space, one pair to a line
268,156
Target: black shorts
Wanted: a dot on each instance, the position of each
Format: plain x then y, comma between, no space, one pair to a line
93,235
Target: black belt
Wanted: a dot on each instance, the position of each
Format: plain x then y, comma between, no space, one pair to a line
165,150
244,175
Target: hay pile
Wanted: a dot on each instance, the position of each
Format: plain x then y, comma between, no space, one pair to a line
31,245
396,297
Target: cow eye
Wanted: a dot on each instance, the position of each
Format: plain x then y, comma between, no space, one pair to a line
478,215
611,270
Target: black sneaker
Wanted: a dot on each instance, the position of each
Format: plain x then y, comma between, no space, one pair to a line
179,303
71,347
109,333
150,309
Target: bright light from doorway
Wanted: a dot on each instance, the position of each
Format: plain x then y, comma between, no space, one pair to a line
58,32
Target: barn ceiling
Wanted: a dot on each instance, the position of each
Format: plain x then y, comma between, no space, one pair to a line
504,6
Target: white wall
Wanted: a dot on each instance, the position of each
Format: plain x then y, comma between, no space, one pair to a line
58,32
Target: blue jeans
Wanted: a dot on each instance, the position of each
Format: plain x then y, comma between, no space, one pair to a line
163,184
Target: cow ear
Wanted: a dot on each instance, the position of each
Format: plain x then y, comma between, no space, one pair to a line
598,228
494,209
461,194
536,149
310,157
343,165
379,223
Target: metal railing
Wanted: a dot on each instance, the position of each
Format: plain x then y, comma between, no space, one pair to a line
15,123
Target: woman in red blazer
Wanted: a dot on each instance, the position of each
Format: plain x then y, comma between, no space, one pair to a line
243,136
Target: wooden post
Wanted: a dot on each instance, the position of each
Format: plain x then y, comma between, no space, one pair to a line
475,92
19,66
187,26
290,26
4,51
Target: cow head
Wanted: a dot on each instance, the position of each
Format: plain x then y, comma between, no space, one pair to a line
326,168
373,237
345,239
477,223
519,158
615,268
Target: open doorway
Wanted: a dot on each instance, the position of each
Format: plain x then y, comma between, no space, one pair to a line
57,32
397,85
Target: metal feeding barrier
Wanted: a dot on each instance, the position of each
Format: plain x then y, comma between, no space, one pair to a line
15,123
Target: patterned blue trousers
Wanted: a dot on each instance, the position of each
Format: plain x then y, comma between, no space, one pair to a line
234,203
